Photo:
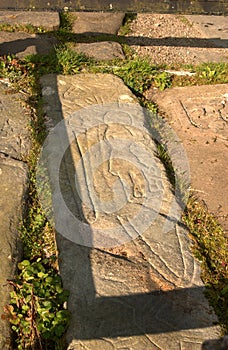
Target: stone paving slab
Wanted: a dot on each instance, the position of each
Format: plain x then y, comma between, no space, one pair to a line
47,20
14,125
215,28
23,44
97,23
145,293
106,50
13,185
14,145
199,115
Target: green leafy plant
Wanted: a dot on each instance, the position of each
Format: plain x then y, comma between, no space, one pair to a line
126,26
66,21
137,74
205,73
69,61
163,80
34,311
208,74
27,28
11,68
211,249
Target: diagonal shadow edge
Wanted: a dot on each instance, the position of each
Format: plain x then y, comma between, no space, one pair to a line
153,313
14,47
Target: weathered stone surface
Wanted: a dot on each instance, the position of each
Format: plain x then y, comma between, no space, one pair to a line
13,185
14,125
147,292
97,23
22,44
213,27
47,20
198,114
14,145
106,50
216,344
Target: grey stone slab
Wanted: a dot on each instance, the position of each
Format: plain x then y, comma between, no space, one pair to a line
215,28
126,260
97,22
106,50
13,187
14,145
203,131
47,20
14,125
23,44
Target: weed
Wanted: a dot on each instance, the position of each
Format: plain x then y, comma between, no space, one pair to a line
34,311
163,80
206,73
210,248
66,21
126,26
185,20
137,74
26,28
69,61
11,68
213,73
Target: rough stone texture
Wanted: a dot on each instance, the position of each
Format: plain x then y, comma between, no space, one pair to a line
97,23
204,135
22,44
14,125
213,27
146,293
13,185
106,50
47,20
216,344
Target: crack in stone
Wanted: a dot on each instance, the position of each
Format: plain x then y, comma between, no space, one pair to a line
85,174
7,155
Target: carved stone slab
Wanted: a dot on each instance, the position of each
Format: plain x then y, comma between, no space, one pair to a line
146,291
199,116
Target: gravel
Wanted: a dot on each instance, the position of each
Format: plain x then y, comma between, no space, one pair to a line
172,39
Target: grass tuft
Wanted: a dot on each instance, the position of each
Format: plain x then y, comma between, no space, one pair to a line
211,248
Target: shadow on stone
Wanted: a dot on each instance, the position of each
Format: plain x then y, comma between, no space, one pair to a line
113,296
22,44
